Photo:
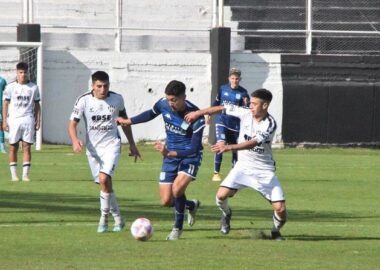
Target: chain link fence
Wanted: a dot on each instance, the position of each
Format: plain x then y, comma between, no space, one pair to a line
336,26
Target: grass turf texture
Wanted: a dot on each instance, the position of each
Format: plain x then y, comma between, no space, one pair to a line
50,223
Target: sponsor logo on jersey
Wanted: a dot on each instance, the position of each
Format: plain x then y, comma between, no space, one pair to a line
168,116
101,128
174,129
104,117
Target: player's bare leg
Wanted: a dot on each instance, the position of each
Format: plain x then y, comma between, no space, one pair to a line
279,219
13,148
166,195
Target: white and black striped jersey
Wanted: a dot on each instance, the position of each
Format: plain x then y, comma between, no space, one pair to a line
260,156
99,116
21,98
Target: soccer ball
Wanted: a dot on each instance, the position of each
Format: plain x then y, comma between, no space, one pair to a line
142,229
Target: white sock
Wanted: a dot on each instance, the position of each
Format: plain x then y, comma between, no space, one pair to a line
104,207
26,168
13,168
278,222
223,206
114,209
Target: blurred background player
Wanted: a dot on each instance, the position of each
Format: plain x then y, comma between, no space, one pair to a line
182,152
3,83
99,108
21,118
255,167
227,126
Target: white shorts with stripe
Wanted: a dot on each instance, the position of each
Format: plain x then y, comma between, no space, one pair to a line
103,160
264,182
21,129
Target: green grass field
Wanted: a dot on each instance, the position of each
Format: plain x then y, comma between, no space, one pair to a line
50,223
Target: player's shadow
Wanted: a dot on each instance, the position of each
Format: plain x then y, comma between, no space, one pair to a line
304,237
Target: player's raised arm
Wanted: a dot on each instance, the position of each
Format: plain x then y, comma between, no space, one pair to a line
192,116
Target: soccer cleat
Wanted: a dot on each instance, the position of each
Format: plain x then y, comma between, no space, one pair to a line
174,234
191,213
216,177
15,178
225,223
26,178
276,235
118,227
102,228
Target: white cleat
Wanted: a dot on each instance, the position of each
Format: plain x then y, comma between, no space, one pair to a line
174,234
191,214
26,178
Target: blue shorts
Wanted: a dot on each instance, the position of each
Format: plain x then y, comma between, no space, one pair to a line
225,134
171,167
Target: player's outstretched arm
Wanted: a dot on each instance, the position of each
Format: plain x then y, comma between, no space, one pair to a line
122,121
221,147
192,116
72,129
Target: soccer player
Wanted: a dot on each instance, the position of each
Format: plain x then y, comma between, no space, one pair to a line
21,118
227,126
3,83
182,152
255,167
99,109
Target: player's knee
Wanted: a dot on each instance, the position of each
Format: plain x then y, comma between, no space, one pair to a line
280,208
224,193
166,202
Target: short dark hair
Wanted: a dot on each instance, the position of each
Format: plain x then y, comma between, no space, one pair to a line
263,94
175,88
22,66
100,76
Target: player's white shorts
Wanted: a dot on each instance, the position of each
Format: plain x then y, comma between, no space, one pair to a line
264,182
104,161
22,129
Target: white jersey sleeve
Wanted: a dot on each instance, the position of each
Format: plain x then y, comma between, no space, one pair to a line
78,109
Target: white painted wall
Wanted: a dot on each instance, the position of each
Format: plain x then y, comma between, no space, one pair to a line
263,71
67,75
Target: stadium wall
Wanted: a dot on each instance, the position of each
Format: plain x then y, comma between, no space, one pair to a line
331,99
140,77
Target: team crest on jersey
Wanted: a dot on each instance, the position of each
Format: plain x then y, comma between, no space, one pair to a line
238,96
226,94
111,108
